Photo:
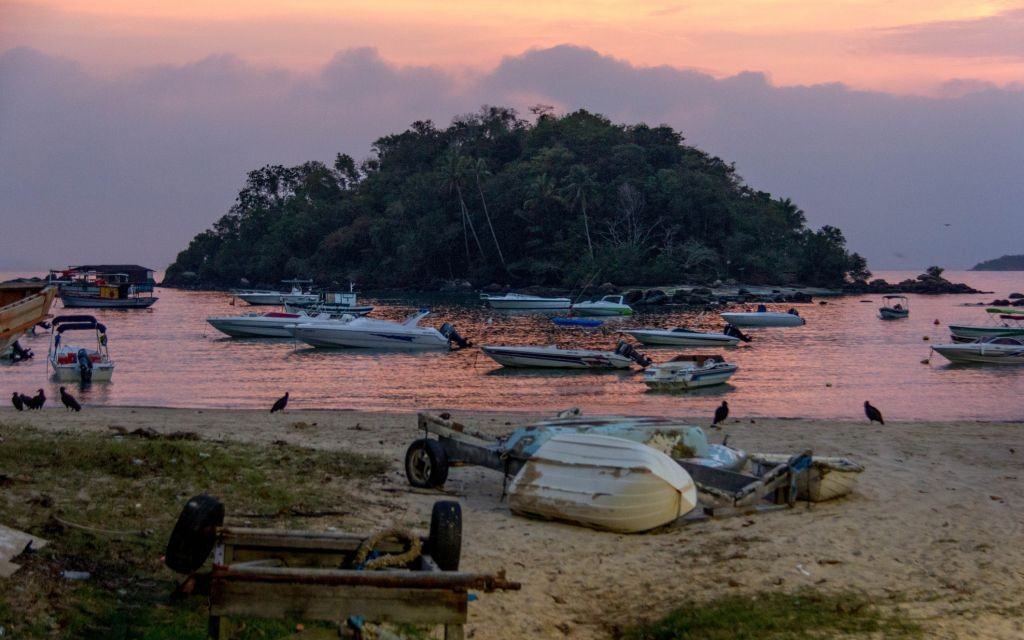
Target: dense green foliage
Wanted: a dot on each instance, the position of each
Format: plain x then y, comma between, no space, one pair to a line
493,198
1004,263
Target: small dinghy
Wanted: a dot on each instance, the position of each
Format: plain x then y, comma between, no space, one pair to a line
825,479
602,482
689,372
763,318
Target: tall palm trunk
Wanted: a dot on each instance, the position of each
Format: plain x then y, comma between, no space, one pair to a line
465,219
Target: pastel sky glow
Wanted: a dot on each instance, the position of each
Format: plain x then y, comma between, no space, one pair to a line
137,121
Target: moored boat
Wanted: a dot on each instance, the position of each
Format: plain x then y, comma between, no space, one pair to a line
680,336
602,482
763,318
105,287
606,306
336,303
23,305
894,307
623,357
524,302
991,350
74,363
273,324
826,478
689,372
371,333
1007,322
297,295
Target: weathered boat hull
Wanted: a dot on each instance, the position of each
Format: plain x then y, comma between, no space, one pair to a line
762,319
602,482
827,478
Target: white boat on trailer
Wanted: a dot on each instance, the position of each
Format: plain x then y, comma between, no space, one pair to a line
689,372
371,333
994,350
273,324
73,363
520,301
763,318
680,336
623,357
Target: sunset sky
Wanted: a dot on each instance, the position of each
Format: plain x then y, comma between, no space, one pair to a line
875,116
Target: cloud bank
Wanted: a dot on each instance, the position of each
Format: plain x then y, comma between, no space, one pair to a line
130,168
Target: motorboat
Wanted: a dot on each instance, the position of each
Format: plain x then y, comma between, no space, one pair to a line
894,307
297,295
371,333
623,357
524,302
602,482
826,478
1007,322
606,306
273,324
336,303
90,287
23,305
73,363
680,336
689,372
992,350
763,318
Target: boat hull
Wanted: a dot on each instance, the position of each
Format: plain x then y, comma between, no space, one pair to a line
666,377
23,314
762,319
527,303
255,327
86,302
368,339
556,358
967,333
981,352
602,482
893,314
101,372
826,479
585,309
682,338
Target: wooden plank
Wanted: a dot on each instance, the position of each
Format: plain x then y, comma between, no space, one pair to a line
337,602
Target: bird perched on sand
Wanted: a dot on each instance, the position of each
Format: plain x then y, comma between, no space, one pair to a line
38,400
17,402
872,413
721,413
69,400
281,403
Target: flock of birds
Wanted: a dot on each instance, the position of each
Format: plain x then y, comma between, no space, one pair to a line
36,402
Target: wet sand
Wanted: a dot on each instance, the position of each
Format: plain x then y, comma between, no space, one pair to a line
935,524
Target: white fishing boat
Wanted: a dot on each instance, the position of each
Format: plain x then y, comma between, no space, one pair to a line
551,356
679,336
602,482
519,301
74,363
827,477
606,306
894,307
297,295
273,324
763,318
371,333
336,303
1006,322
994,350
689,372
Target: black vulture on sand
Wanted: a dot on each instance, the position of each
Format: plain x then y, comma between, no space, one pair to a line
281,403
721,413
872,413
69,400
38,401
17,402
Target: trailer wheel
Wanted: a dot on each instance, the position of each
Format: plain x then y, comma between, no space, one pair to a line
194,534
444,544
426,464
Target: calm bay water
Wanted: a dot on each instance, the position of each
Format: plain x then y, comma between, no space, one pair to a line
169,356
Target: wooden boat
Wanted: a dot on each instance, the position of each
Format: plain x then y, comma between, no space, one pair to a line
551,356
1007,322
894,307
73,363
602,482
23,304
689,372
763,318
994,350
825,479
606,306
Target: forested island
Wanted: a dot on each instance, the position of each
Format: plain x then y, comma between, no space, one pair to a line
494,198
1005,263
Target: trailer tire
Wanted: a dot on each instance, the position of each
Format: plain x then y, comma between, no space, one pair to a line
444,544
194,534
426,464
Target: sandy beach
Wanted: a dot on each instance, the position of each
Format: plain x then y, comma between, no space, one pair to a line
936,523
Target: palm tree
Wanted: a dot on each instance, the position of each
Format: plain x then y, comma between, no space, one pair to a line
456,172
480,169
580,186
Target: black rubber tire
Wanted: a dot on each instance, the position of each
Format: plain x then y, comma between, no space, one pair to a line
426,464
444,544
194,534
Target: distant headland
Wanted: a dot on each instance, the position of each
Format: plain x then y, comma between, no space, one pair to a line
1005,263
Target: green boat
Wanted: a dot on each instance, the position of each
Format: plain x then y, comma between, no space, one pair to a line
1006,322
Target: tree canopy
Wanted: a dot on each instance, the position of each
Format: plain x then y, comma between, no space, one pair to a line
494,198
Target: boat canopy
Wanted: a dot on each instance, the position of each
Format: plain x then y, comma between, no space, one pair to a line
77,323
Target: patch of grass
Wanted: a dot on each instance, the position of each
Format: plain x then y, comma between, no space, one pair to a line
127,492
779,616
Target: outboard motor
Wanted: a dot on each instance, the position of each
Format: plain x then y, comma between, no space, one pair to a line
627,350
448,331
84,366
730,330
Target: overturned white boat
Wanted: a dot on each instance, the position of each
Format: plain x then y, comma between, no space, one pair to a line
551,356
689,372
262,325
825,479
371,333
763,318
602,482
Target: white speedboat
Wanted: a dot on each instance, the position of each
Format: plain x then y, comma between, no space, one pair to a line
1006,322
551,356
371,333
297,295
689,372
894,307
996,350
685,337
73,363
763,318
606,306
262,325
524,302
602,482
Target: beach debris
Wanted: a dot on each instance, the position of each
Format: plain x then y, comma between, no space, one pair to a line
14,543
801,569
150,433
281,403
